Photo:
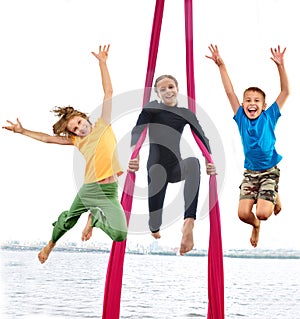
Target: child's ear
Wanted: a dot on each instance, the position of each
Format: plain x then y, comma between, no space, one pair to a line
264,106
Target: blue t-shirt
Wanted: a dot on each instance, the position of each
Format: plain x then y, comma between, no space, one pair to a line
258,138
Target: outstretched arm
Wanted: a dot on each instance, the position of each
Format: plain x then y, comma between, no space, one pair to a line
106,82
215,56
277,57
42,137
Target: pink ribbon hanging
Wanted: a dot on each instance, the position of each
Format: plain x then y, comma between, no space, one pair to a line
215,251
114,274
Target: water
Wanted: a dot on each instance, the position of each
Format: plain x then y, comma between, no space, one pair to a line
71,285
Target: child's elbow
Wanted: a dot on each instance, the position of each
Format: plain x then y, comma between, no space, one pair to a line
288,92
108,93
46,139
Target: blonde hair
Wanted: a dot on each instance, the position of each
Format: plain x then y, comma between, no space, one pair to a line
65,114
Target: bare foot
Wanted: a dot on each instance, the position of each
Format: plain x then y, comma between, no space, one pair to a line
88,229
156,235
277,207
187,241
255,235
45,252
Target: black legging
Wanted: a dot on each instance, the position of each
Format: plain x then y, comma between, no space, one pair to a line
158,179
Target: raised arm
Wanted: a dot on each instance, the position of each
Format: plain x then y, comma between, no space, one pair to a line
215,56
277,57
42,137
106,83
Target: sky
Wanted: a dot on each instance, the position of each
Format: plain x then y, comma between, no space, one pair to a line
46,61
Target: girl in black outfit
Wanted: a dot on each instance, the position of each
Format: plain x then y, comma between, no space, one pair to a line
166,122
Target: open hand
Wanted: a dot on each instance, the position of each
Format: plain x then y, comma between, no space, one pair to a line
277,55
215,55
14,127
102,55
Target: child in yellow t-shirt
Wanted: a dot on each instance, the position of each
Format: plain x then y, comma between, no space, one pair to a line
99,193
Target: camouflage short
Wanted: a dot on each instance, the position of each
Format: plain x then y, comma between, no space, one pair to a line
260,184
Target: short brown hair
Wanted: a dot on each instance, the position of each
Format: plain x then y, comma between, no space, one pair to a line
255,89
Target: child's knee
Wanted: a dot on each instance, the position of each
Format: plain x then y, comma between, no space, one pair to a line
263,214
192,166
193,163
245,208
116,235
243,214
264,209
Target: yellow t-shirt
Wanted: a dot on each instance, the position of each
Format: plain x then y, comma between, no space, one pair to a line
99,149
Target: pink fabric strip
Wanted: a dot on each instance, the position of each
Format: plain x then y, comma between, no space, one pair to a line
114,275
215,251
113,285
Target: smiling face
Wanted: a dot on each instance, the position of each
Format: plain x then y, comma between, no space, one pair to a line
167,90
253,103
79,126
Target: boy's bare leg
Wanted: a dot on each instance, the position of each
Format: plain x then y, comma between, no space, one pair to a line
255,233
156,235
187,241
246,215
277,207
45,252
88,229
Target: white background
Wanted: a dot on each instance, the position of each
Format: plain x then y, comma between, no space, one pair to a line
46,61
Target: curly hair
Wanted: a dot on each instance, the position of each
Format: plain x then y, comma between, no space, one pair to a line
65,114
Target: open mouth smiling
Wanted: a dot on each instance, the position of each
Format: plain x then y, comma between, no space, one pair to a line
252,110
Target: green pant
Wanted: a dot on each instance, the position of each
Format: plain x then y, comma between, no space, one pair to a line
107,213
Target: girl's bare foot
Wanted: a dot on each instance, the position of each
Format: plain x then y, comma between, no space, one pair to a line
156,235
277,207
255,234
88,229
45,252
187,241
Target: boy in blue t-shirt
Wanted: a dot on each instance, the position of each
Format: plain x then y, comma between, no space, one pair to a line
256,126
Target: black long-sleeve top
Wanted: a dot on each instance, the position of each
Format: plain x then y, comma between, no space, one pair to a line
165,126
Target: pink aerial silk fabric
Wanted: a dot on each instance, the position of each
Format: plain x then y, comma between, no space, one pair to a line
113,284
114,274
215,251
